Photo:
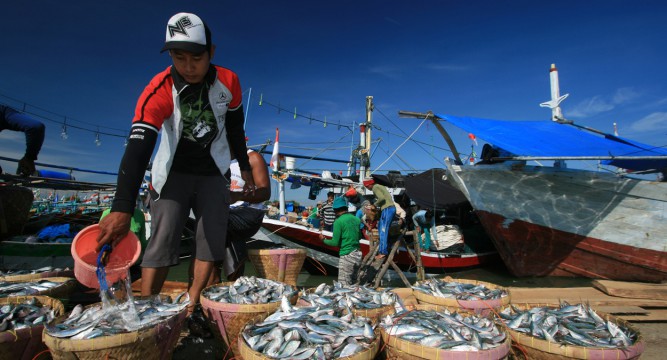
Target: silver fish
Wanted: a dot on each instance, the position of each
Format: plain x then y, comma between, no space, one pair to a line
444,329
568,324
306,337
249,290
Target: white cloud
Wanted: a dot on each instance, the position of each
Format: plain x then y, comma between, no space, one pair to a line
447,67
603,103
391,72
391,20
653,122
589,107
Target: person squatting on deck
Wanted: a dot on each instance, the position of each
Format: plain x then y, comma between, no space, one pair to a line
198,108
245,217
424,223
346,236
385,203
11,119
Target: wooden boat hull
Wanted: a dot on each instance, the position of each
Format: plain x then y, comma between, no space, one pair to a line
433,262
568,222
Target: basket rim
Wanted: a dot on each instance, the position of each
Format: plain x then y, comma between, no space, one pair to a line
111,341
632,351
417,349
437,300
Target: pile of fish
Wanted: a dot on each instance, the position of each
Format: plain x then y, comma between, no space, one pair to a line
325,332
249,290
29,272
445,330
96,321
25,314
577,325
357,296
27,288
457,290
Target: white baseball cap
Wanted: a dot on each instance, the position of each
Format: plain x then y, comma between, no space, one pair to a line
186,31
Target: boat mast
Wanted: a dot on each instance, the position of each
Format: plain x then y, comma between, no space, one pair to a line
365,141
556,99
554,104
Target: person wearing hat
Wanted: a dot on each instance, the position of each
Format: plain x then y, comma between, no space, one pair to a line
384,202
346,236
197,107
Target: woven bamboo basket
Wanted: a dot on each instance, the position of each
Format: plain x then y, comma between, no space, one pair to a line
282,265
26,343
60,292
227,320
396,348
483,307
540,349
247,353
154,343
38,276
375,315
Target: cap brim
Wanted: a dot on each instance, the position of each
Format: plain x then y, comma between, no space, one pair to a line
185,46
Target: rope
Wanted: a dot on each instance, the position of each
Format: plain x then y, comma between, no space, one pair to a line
318,265
101,271
403,143
41,353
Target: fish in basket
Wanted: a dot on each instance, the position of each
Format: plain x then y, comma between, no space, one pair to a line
228,306
564,331
437,332
145,328
31,275
283,264
478,296
22,320
363,300
55,287
319,332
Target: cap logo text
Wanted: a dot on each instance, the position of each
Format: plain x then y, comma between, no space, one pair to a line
180,26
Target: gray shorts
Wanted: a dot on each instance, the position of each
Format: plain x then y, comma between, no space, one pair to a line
208,198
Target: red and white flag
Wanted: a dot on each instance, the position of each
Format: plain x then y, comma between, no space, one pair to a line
275,161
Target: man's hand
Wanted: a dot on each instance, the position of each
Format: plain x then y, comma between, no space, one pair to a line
26,167
249,187
113,228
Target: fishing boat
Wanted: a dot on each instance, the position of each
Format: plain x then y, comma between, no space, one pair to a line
27,246
427,189
561,220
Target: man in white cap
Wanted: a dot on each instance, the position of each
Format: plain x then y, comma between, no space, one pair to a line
198,108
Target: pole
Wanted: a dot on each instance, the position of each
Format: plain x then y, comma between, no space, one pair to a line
367,141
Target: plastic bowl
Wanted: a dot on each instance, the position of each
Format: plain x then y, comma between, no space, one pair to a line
123,255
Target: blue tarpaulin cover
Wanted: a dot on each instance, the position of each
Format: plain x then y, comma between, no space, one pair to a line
551,139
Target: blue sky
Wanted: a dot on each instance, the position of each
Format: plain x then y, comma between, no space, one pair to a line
88,61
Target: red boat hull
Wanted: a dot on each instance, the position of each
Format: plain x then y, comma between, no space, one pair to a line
532,250
433,262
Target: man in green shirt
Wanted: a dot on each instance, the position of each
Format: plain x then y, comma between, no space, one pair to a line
346,236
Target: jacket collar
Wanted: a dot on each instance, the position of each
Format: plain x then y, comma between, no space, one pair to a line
180,83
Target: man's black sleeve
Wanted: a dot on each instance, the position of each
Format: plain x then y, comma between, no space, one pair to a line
236,137
140,145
